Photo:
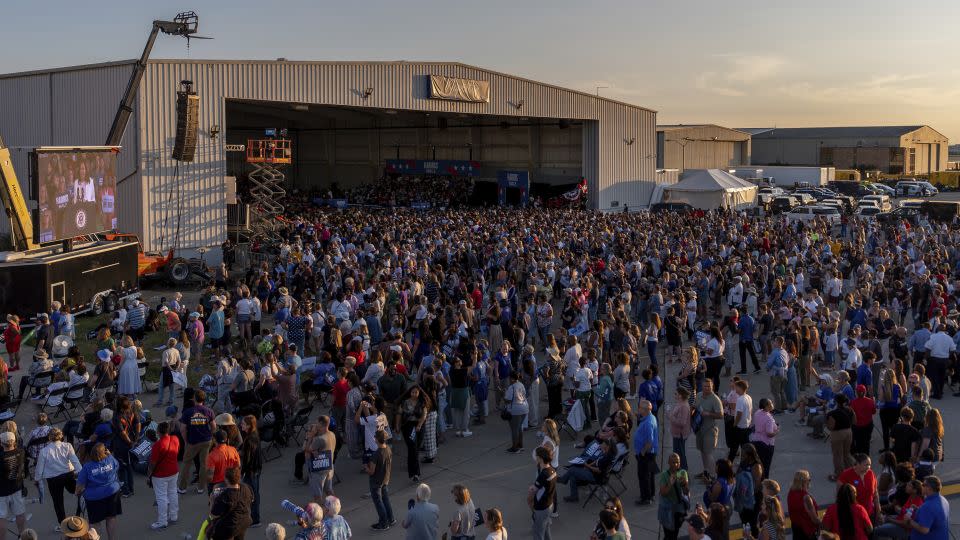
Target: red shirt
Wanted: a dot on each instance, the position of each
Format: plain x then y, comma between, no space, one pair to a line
860,522
12,337
340,389
866,487
221,458
163,456
864,408
798,512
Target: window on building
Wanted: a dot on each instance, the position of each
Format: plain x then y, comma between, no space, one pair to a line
912,161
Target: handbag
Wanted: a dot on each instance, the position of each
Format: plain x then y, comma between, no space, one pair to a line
696,420
505,415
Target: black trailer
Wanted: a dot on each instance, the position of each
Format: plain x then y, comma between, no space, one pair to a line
94,277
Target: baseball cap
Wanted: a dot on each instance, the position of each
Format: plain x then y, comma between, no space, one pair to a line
861,388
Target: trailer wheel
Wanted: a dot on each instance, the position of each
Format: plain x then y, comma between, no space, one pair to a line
110,303
178,271
96,306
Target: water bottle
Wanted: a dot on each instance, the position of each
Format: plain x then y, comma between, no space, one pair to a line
290,507
746,531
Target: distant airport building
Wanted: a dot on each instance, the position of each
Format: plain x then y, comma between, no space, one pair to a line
891,149
348,123
701,146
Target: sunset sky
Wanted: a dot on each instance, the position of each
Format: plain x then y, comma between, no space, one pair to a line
738,63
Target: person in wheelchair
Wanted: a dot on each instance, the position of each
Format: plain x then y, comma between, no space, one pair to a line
814,408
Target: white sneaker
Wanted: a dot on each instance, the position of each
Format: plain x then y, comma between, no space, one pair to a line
157,526
467,433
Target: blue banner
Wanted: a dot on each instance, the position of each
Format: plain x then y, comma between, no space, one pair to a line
448,167
420,205
337,203
513,180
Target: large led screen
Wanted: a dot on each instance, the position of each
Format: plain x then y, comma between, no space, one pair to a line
75,190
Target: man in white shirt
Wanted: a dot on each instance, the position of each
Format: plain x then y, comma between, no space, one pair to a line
940,346
743,417
572,359
735,295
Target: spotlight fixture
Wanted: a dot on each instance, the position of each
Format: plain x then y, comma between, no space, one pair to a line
518,105
367,92
630,141
214,131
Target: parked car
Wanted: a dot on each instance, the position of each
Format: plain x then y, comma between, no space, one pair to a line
805,198
911,203
783,203
902,213
671,207
810,213
914,188
868,212
766,194
882,202
941,210
884,189
836,203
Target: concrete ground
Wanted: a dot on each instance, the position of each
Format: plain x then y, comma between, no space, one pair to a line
494,478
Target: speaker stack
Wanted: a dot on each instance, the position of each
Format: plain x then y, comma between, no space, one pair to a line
188,116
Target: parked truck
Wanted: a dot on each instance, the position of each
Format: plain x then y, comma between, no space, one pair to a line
788,177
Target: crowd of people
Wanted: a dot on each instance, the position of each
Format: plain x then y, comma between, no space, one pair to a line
407,329
393,190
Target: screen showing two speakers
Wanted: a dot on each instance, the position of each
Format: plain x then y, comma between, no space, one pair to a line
76,190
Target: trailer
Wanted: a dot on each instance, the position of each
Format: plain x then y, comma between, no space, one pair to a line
94,278
788,177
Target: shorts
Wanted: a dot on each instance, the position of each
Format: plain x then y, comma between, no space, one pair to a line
321,483
102,509
12,505
216,343
243,319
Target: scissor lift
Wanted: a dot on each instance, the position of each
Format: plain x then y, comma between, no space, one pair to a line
268,157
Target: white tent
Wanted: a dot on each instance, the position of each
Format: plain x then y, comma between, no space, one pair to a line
708,189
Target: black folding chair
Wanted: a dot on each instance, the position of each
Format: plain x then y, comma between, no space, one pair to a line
55,400
601,490
298,423
77,398
40,381
271,431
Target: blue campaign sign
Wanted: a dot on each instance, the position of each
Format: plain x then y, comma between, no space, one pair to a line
337,203
323,461
450,167
513,180
270,132
420,205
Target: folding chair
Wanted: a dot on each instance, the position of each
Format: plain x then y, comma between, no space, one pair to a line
40,381
270,433
601,490
75,401
616,473
298,423
55,398
565,426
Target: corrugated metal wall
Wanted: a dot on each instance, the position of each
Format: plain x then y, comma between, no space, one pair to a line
70,107
694,147
627,156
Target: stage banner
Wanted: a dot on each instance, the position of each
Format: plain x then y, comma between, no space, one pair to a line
420,205
513,180
448,167
337,203
454,89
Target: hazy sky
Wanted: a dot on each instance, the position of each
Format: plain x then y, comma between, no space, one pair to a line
736,63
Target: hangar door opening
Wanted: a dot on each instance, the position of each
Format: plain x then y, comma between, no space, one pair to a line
394,157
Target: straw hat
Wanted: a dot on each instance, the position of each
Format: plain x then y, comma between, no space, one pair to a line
74,527
224,419
283,290
807,321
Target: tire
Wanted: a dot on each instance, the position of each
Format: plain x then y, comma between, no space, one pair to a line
178,271
111,302
97,305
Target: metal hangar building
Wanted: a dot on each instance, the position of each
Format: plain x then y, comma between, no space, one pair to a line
344,120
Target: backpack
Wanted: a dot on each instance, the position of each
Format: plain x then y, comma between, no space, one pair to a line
743,491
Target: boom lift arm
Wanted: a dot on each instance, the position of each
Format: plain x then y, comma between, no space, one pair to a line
184,24
14,204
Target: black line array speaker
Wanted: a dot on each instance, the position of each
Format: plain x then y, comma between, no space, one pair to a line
188,116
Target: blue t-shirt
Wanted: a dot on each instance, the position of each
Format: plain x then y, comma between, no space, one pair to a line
865,375
215,324
99,479
934,513
648,391
198,419
746,327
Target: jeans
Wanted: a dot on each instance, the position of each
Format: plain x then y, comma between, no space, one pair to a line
516,434
253,480
680,448
168,501
574,477
714,366
381,501
746,347
937,372
765,452
652,351
891,530
125,472
56,486
541,524
160,392
778,390
413,455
